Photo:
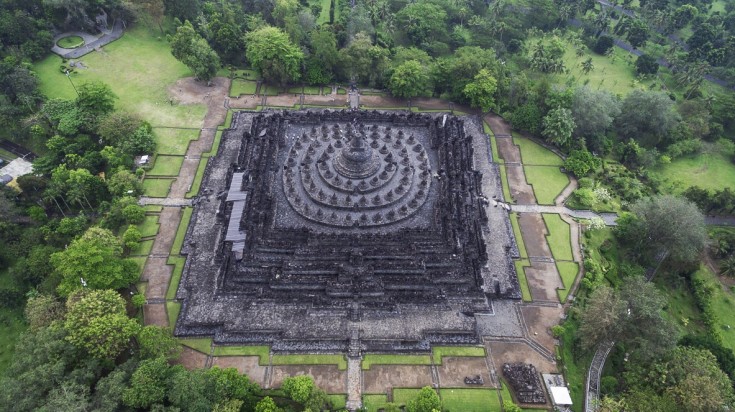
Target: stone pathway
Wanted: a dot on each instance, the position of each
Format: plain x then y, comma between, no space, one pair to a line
609,218
354,383
91,42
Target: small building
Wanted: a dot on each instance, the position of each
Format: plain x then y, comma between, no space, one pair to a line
557,388
143,160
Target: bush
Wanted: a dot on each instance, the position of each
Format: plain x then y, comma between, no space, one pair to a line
603,44
646,64
608,384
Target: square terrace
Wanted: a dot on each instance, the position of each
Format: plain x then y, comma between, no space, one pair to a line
320,229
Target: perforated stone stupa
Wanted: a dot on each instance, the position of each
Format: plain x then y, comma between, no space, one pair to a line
315,228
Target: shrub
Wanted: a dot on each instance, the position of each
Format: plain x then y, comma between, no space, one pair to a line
603,44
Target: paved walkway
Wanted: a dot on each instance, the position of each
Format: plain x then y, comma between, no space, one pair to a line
91,42
609,218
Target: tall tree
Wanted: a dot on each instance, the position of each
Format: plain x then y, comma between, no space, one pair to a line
270,51
190,48
558,126
646,116
481,90
593,111
409,80
94,259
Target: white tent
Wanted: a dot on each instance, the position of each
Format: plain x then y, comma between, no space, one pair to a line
560,395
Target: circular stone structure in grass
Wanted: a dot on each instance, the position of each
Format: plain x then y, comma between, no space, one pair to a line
70,42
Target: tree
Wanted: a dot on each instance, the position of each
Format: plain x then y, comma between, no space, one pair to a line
148,384
124,183
95,99
665,224
587,66
422,21
298,388
324,58
272,53
603,44
131,237
155,9
593,111
580,162
96,322
364,62
95,260
646,64
155,341
42,310
646,331
188,47
267,405
481,90
727,267
601,319
409,80
646,114
116,127
427,400
558,126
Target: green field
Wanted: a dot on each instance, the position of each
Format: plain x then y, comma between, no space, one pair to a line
713,170
157,187
568,272
174,141
559,237
547,182
723,303
262,352
439,352
166,166
202,345
172,310
240,87
181,231
149,226
139,68
374,402
197,178
504,182
178,268
517,233
402,395
269,90
338,360
521,266
470,400
533,153
376,359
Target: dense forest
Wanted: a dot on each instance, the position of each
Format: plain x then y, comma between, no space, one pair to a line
530,61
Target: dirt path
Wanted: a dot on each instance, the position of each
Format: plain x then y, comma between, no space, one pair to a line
156,272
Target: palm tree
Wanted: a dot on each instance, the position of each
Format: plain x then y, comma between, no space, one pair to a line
727,267
588,66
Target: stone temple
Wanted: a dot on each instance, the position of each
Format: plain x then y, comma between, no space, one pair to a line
335,230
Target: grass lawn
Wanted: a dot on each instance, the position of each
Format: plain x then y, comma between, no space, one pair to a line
533,153
504,182
324,12
374,402
149,227
723,302
439,352
172,310
140,261
174,141
166,166
70,42
402,395
559,237
505,391
153,208
261,351
568,272
517,233
712,170
681,307
12,326
157,187
521,266
615,73
269,90
139,68
376,359
471,400
143,249
215,145
339,401
240,87
197,178
338,360
312,90
173,283
547,182
181,231
203,345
